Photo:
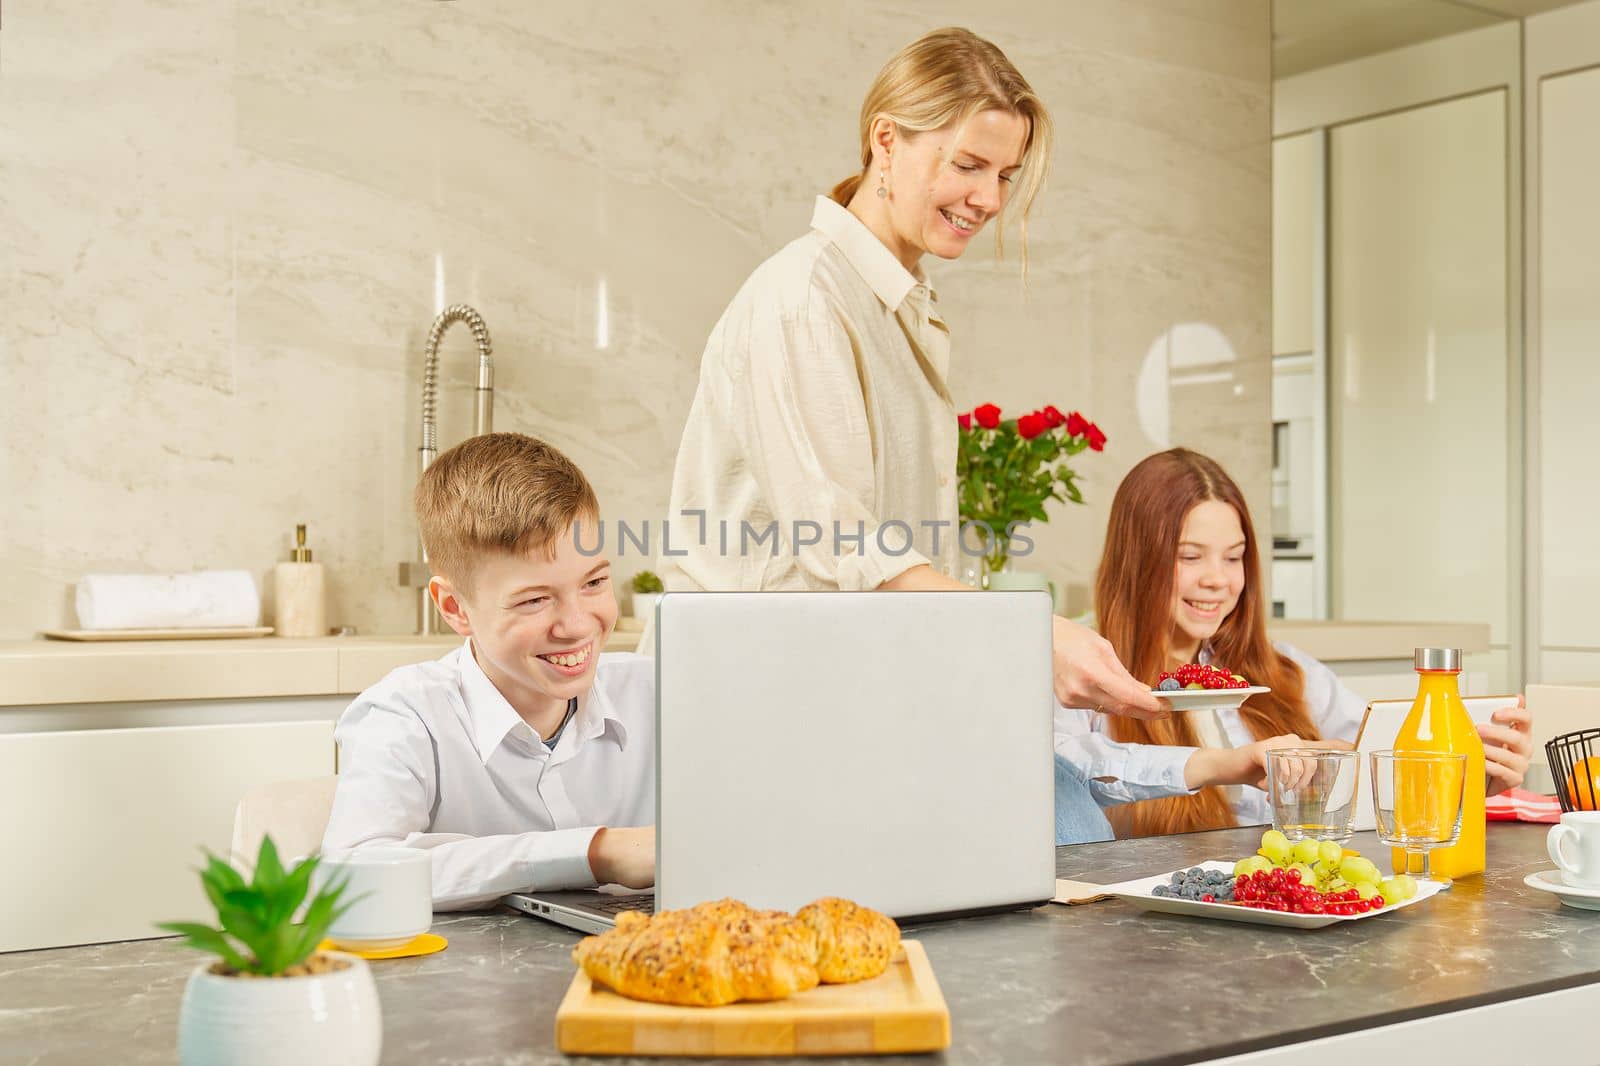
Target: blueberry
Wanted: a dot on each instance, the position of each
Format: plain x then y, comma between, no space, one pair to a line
1159,890
1195,871
1169,685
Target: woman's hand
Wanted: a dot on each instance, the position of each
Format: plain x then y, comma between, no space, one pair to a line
1088,675
1507,746
1248,765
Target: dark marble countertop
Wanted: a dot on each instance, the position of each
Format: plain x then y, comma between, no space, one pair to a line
1095,983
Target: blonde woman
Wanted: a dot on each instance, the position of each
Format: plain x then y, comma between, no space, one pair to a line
823,411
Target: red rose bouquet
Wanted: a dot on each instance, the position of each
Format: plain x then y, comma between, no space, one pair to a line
1010,467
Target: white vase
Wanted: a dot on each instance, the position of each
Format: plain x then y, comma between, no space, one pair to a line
1009,580
644,604
281,1021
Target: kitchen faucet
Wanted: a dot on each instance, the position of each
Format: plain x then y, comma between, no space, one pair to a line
414,573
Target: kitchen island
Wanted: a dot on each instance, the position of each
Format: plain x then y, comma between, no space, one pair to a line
1485,973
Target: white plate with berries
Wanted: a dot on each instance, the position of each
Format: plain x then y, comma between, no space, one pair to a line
1142,894
1202,687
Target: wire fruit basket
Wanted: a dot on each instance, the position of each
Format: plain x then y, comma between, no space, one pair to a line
1575,767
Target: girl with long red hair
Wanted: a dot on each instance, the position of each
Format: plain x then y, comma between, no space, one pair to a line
1180,582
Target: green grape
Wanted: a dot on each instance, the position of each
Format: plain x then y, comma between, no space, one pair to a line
1407,884
1252,864
1308,876
1306,851
1366,890
1330,853
1275,847
1392,892
1360,870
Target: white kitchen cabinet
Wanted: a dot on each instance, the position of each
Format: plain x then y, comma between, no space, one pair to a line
1295,210
1419,366
1569,386
103,827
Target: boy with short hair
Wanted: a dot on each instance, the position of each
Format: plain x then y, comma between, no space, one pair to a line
523,759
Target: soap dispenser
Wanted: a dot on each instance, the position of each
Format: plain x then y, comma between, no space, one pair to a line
301,607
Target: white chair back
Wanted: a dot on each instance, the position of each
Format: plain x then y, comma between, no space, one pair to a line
294,812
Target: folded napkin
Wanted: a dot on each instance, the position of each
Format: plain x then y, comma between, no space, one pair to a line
207,599
1075,892
1520,805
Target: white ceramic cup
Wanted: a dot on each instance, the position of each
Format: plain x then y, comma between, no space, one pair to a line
1574,846
392,890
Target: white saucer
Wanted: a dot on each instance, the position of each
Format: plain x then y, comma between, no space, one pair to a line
1206,699
1585,899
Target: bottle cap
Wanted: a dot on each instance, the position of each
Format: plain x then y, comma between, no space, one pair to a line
1437,659
300,553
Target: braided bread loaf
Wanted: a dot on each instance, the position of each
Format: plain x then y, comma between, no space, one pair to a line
854,943
724,951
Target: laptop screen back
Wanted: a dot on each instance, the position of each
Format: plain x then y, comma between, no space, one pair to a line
892,748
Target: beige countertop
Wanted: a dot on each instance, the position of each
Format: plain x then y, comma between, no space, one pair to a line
36,672
44,672
1334,642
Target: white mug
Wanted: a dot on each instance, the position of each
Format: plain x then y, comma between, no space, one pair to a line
390,892
1574,846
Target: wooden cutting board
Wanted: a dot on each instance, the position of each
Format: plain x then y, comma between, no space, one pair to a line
900,1011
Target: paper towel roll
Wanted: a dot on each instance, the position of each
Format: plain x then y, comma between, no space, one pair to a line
203,600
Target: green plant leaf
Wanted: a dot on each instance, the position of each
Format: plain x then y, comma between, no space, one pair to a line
269,870
222,873
245,923
324,910
217,878
281,908
258,933
205,938
311,934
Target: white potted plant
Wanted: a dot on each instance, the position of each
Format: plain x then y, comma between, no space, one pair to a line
271,998
647,589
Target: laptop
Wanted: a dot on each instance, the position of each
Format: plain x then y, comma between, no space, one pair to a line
894,748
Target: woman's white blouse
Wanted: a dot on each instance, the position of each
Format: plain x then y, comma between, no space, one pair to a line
820,451
1122,773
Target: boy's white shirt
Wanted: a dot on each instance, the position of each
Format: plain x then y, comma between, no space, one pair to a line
1150,771
433,756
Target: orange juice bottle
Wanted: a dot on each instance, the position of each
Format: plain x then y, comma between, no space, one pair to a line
1439,722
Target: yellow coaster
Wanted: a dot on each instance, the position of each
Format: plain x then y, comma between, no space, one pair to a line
426,944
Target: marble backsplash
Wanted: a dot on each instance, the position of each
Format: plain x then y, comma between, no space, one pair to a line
225,228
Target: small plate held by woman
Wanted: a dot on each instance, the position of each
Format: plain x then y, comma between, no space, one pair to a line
1207,699
1204,687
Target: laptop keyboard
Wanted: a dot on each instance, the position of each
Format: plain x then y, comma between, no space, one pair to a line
611,906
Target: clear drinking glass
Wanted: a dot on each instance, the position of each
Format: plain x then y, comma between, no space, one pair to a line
1313,792
1416,802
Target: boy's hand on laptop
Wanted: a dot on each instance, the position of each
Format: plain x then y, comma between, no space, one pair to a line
1088,675
624,857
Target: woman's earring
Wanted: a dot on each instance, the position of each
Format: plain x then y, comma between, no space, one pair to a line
883,189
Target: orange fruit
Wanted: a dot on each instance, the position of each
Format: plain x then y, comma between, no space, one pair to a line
1583,784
